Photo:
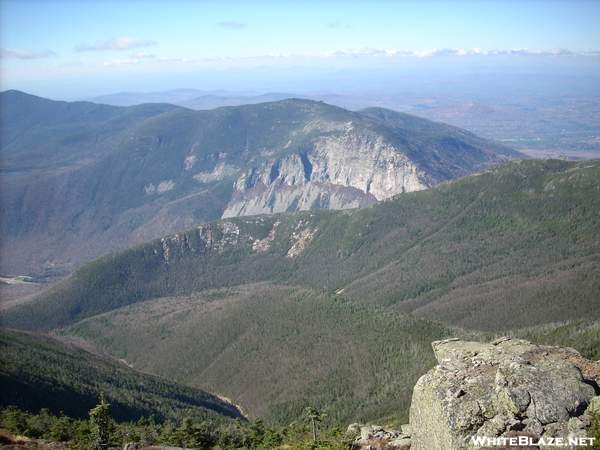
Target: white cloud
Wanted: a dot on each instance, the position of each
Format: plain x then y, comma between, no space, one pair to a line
118,43
232,24
121,62
365,53
428,53
501,52
142,55
6,53
146,58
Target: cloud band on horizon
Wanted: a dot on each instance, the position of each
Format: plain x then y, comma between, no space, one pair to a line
118,43
6,53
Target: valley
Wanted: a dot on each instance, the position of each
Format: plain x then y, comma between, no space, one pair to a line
338,308
274,349
42,372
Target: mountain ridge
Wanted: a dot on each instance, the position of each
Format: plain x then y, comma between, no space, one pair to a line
81,179
420,236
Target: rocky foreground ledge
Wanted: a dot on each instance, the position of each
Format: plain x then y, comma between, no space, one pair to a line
509,387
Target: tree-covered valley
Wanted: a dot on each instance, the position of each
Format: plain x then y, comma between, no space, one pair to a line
337,309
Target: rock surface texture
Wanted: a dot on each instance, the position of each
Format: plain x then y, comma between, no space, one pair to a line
374,437
504,388
343,170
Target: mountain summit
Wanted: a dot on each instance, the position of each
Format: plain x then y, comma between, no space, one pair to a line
81,179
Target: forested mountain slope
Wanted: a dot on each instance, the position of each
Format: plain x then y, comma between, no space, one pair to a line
81,179
335,308
275,349
41,372
513,247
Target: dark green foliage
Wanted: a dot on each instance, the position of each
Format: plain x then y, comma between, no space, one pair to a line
203,435
583,335
45,425
40,372
594,431
315,417
101,424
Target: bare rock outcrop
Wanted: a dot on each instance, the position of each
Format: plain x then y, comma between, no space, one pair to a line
347,169
375,437
508,387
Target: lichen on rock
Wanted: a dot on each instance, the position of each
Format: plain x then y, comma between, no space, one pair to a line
498,389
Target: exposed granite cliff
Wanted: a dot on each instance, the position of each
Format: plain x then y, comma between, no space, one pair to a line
348,169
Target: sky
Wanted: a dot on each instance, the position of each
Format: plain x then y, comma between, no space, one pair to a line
71,49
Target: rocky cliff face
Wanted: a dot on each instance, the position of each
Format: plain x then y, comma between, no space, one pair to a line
346,170
505,388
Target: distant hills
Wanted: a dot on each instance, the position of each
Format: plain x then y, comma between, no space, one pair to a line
337,308
191,98
545,125
81,179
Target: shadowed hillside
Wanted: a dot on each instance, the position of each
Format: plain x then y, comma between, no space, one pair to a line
41,372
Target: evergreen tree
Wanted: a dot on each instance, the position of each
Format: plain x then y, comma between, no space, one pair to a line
314,416
100,422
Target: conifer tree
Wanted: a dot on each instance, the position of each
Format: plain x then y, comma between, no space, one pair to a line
314,416
100,422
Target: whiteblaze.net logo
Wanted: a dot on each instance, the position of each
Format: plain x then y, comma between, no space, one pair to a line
483,441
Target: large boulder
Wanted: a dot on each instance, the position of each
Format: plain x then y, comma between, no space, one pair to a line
508,387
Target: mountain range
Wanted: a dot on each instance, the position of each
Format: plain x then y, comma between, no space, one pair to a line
338,308
80,179
544,125
192,98
281,254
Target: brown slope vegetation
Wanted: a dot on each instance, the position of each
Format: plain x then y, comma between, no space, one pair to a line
274,349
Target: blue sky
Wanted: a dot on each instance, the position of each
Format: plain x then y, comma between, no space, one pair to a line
91,47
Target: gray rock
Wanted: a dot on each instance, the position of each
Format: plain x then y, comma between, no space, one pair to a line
344,169
505,387
133,446
375,437
353,429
